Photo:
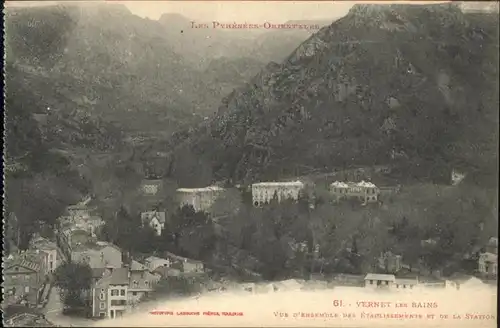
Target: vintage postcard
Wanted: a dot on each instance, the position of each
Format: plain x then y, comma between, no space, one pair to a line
250,164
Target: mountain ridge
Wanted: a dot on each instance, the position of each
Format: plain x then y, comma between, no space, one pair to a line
347,96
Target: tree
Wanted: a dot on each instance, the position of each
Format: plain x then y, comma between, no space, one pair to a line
190,233
37,200
73,280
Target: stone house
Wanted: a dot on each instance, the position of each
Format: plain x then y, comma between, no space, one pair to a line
24,278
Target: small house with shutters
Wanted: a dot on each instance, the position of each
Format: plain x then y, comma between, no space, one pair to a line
373,280
406,283
488,264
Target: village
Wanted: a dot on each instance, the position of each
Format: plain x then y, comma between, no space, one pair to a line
120,282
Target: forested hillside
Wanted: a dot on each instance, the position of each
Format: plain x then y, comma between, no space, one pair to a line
417,81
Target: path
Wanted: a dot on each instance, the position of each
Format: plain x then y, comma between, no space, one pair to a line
53,313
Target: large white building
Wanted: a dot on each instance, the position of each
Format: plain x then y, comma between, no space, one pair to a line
201,199
363,191
263,192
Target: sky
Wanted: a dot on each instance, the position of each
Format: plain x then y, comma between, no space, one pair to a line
235,11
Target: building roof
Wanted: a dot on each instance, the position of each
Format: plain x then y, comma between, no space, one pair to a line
118,276
182,259
164,271
366,184
489,257
154,258
278,184
98,272
205,189
13,310
289,284
28,260
136,266
27,264
150,215
104,244
460,277
144,280
93,246
383,277
42,242
362,184
338,184
406,281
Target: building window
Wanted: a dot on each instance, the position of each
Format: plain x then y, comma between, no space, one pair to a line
134,293
26,289
135,283
102,314
371,282
101,296
122,292
404,286
14,276
387,283
26,277
115,292
102,306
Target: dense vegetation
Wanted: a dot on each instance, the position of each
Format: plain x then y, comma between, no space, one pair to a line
278,241
138,73
73,281
39,183
416,81
411,86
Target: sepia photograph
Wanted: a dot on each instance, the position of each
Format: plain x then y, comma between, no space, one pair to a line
250,163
